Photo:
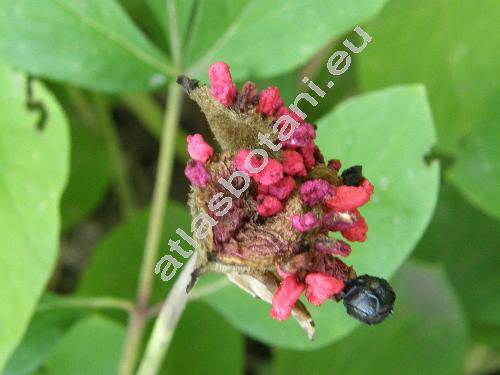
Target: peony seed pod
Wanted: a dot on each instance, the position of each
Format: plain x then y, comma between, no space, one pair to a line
264,206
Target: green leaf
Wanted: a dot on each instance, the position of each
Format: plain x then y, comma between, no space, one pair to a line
205,33
33,171
465,242
477,168
388,132
89,176
184,10
427,318
146,21
89,43
204,344
263,38
114,267
426,41
488,335
345,86
91,346
43,333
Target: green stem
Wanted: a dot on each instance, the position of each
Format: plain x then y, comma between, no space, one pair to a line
117,158
91,303
138,316
161,192
173,33
197,293
145,108
166,323
81,106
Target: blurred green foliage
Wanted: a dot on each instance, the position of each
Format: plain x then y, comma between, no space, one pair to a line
90,346
34,167
426,41
464,241
89,163
429,63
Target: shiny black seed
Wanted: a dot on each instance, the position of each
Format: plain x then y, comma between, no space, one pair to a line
369,299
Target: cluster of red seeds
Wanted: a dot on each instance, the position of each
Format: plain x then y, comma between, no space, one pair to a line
276,182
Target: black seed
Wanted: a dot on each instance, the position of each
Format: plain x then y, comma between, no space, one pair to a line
352,176
369,299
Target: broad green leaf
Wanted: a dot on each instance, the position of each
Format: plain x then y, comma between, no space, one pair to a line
114,267
33,171
89,43
476,172
465,242
43,333
447,45
146,21
91,346
268,38
184,11
89,176
204,344
211,19
388,132
426,335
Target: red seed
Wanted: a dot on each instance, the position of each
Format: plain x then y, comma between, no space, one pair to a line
268,205
221,84
293,164
198,149
358,231
285,297
281,189
196,173
269,101
305,223
321,286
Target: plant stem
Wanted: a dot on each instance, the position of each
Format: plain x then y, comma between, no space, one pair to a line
196,293
145,108
91,303
131,345
208,289
166,322
138,316
82,107
173,33
118,165
160,194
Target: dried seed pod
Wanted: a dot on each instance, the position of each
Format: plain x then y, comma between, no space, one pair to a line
262,217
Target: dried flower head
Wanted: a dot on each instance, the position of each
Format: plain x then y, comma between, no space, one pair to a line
269,202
